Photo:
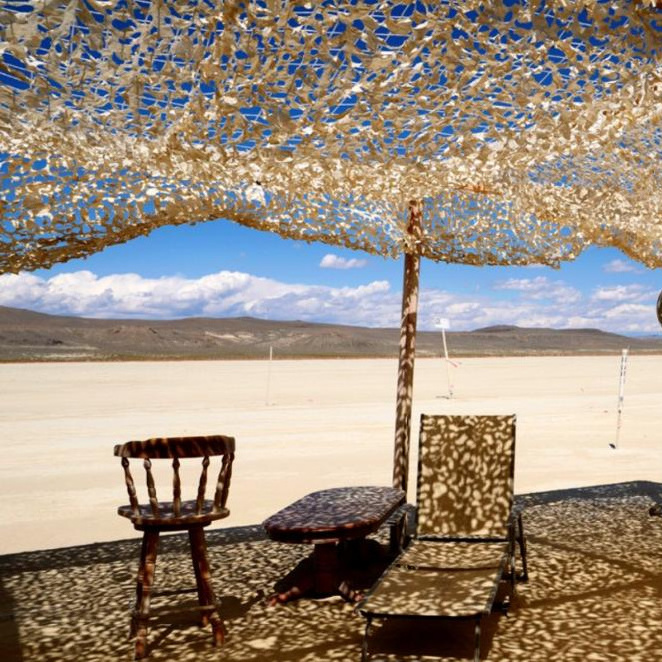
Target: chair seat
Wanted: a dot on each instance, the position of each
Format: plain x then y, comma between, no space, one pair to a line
167,518
440,579
452,555
421,593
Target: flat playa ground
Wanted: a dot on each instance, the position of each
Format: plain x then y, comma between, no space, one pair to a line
300,426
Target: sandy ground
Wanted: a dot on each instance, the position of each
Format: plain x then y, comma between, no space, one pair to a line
300,426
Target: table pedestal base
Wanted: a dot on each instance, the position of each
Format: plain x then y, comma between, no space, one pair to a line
345,569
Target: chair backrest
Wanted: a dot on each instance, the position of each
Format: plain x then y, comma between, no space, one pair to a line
175,449
465,480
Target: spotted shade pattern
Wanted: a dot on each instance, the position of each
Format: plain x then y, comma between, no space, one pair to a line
465,476
464,503
525,130
340,513
456,580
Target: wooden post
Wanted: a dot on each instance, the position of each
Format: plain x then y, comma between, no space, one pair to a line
407,350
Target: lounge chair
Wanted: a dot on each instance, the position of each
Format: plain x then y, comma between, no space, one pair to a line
465,530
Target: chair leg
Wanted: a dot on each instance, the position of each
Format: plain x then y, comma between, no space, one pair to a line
398,538
202,598
144,581
477,640
140,578
365,655
521,540
206,598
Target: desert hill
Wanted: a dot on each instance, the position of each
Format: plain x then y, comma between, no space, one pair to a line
29,336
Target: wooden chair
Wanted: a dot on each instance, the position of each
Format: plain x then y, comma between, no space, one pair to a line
177,515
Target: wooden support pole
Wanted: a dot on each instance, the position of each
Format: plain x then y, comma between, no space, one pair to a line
407,349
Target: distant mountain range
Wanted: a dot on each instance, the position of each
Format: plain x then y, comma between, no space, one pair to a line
30,336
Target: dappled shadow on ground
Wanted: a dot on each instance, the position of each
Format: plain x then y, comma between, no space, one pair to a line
595,593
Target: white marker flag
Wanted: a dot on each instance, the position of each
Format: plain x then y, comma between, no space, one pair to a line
621,395
444,324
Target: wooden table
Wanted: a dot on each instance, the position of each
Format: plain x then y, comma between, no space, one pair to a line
330,520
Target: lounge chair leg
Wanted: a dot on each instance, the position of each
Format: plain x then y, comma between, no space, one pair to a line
398,534
512,569
521,540
477,635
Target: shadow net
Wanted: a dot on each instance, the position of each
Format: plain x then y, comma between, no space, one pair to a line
527,130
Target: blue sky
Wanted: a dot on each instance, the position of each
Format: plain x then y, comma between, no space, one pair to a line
222,269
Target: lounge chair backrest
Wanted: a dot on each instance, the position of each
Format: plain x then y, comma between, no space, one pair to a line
465,476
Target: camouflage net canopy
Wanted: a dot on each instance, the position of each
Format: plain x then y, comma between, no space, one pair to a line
525,130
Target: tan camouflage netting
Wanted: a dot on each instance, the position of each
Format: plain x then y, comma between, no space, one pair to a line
528,129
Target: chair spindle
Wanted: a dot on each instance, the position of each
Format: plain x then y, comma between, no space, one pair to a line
223,483
202,486
130,486
176,489
151,488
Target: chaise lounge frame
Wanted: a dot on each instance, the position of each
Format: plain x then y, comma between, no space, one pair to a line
466,530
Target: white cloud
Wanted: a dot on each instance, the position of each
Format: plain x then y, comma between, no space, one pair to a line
523,284
541,288
225,294
517,284
22,290
540,320
584,321
463,308
331,261
627,311
541,302
619,267
620,293
537,302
